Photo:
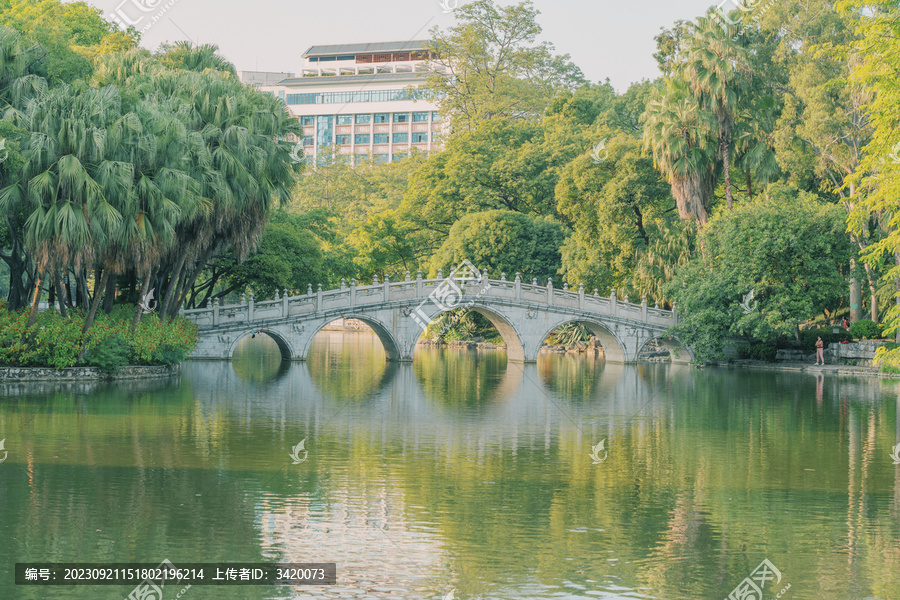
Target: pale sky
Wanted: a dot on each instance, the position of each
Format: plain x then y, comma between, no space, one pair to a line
605,39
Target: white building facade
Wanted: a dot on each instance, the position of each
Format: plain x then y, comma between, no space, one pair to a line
362,99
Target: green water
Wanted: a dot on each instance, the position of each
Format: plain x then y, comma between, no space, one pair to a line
460,472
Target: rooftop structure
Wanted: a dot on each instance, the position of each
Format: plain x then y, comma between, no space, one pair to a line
363,99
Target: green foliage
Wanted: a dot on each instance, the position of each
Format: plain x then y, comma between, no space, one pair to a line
56,341
503,241
109,354
864,329
790,251
499,69
71,33
763,351
569,334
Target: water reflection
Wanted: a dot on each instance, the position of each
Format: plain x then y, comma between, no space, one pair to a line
461,471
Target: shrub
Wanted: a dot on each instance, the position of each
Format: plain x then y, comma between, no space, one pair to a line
167,354
110,355
763,351
54,341
864,329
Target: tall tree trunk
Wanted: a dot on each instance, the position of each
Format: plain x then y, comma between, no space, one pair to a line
109,299
855,294
749,185
95,304
35,298
173,283
176,303
725,153
198,268
873,305
84,299
69,290
60,294
139,310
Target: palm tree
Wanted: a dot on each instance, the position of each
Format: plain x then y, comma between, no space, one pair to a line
70,218
718,70
679,133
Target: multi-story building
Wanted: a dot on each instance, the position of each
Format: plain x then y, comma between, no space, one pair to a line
363,99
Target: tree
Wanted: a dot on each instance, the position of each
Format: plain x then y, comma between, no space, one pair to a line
680,134
616,208
72,35
503,241
790,250
718,70
488,66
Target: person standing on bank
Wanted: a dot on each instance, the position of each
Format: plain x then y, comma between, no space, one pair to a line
820,351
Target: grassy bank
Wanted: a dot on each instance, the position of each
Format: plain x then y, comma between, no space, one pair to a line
56,341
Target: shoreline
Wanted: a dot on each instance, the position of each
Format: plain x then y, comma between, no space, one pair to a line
26,374
798,367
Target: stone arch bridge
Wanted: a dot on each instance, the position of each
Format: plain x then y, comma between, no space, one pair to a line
524,314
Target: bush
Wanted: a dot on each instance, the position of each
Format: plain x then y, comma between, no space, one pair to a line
864,329
110,355
54,341
763,351
167,354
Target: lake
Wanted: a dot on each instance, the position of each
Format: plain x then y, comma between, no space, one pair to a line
463,473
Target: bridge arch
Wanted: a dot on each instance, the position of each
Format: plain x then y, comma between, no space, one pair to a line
680,353
515,345
284,345
613,348
390,344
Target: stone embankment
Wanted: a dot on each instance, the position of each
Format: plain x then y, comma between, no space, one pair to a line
21,374
854,354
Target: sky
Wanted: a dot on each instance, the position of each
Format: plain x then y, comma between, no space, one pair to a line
605,39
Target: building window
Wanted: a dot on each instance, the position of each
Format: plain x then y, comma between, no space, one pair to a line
361,138
420,117
344,119
281,95
360,96
401,138
380,138
382,117
400,156
435,116
342,140
361,119
381,157
307,121
324,129
307,140
420,137
401,117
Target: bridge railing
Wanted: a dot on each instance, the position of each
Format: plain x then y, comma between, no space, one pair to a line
285,306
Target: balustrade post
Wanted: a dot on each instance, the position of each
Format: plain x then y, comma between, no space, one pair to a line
407,276
643,308
309,289
674,314
418,284
387,288
343,284
550,291
353,292
581,296
518,286
250,305
613,304
319,298
215,311
285,309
